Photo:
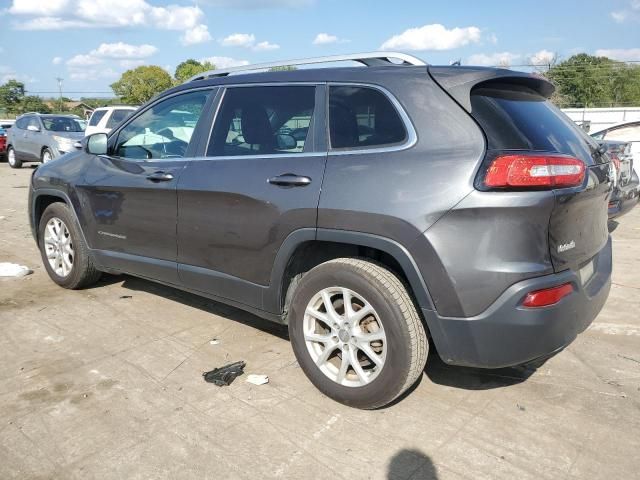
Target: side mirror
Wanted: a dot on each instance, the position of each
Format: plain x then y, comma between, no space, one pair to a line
33,128
96,144
286,142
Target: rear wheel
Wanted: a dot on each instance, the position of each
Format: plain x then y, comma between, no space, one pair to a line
46,155
356,332
64,253
12,159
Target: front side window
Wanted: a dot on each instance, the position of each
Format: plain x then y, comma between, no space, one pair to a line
96,117
164,130
33,122
362,117
263,121
63,124
118,116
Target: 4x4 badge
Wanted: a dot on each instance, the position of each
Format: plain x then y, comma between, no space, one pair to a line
566,246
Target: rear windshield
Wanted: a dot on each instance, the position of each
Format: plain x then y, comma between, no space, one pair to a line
517,118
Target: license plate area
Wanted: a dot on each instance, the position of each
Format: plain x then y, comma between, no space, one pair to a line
586,272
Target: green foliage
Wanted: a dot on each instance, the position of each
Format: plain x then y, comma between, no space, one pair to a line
189,68
587,81
11,95
140,84
32,103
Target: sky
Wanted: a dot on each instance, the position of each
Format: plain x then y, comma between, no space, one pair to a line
89,43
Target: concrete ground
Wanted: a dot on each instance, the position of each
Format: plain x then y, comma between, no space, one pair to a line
106,383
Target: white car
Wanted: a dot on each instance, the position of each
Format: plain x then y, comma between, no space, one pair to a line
625,132
104,119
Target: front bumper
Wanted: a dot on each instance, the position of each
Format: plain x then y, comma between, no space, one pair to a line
508,334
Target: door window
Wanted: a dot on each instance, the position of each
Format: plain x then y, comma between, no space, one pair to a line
118,116
361,117
33,122
164,130
96,117
263,121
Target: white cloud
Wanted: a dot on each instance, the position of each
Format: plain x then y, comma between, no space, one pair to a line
247,40
197,34
93,74
433,37
239,40
83,61
265,46
543,57
632,12
225,62
493,59
108,58
493,39
619,16
56,60
129,64
8,73
621,54
124,50
64,14
253,4
325,39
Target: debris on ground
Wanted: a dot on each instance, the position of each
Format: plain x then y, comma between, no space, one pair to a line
13,270
257,379
214,341
522,408
224,376
126,296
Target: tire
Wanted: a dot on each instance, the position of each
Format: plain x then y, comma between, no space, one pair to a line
82,272
46,155
371,287
12,159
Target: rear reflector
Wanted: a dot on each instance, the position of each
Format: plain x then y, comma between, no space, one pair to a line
534,171
548,296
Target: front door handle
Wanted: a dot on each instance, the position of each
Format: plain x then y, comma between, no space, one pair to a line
160,177
290,180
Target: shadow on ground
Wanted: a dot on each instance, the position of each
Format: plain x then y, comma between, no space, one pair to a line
411,464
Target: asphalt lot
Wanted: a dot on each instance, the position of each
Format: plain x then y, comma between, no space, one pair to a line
106,383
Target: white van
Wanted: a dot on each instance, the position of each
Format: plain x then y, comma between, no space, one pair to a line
103,119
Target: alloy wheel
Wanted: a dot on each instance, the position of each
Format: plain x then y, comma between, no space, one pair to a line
345,336
58,247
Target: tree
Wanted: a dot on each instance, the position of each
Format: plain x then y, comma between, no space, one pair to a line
191,67
587,81
140,84
32,103
11,95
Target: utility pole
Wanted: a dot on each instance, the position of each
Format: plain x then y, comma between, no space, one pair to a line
60,91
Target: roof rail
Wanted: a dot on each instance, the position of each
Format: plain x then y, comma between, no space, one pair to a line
369,59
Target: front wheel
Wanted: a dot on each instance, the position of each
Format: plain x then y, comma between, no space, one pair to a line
12,159
46,155
64,252
356,332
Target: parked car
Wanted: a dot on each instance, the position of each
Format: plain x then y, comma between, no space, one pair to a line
104,119
4,126
624,132
470,210
39,137
626,186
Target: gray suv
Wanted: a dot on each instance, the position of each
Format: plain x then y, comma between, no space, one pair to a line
378,212
39,137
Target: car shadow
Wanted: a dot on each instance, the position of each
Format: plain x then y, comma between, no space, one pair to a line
411,464
192,300
612,225
468,378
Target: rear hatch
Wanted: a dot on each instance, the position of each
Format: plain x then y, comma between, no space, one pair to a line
517,118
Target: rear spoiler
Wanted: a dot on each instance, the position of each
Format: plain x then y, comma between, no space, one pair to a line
460,81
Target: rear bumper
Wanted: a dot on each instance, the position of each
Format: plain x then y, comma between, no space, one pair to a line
508,334
624,198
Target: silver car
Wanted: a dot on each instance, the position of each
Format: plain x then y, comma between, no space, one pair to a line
42,137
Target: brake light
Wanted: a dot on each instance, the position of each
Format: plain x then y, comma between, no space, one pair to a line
534,171
548,296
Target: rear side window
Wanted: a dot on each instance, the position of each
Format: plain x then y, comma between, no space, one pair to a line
518,118
22,123
629,133
263,121
118,116
362,117
96,117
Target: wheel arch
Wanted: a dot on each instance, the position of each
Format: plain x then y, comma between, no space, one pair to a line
307,248
42,198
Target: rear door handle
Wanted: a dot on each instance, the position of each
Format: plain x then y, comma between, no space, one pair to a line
160,177
290,180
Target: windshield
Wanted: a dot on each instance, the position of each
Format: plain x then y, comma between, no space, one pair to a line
63,124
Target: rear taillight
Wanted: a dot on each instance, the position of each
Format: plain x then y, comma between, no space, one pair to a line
534,171
548,296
